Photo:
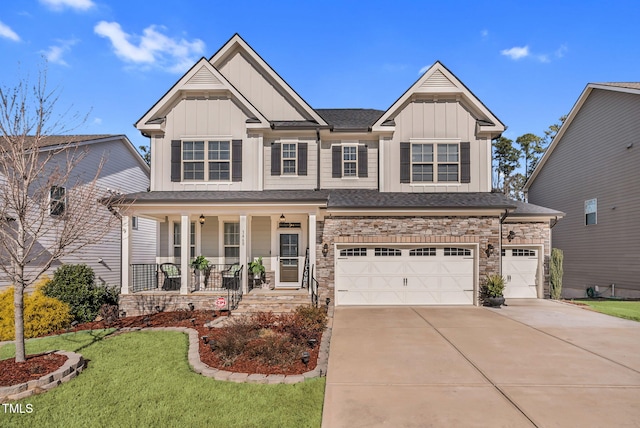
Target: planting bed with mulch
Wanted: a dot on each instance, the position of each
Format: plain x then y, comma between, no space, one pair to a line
262,353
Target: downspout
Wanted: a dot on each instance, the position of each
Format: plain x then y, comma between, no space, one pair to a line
318,159
502,219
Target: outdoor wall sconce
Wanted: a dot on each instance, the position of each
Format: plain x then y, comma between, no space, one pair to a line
305,357
489,250
201,219
123,314
511,235
325,249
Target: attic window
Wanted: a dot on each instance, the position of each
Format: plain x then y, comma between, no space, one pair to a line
57,200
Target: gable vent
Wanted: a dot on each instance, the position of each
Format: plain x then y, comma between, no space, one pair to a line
203,77
438,80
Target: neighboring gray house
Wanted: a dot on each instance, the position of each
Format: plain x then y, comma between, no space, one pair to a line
591,171
381,207
124,171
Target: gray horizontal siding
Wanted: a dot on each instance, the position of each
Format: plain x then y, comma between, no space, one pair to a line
592,161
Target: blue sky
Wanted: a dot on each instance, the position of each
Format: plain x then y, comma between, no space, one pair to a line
527,61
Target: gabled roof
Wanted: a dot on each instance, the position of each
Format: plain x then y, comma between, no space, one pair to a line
439,80
350,119
201,77
236,42
625,87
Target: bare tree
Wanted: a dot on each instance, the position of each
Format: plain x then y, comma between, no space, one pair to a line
49,208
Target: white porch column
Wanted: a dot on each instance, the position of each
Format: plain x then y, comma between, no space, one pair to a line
184,252
125,255
244,253
312,245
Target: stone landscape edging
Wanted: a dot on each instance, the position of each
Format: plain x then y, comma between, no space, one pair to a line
201,368
70,369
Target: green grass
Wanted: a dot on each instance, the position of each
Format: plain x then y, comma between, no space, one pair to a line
617,308
143,379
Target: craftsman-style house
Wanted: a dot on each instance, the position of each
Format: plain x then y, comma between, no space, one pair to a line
374,207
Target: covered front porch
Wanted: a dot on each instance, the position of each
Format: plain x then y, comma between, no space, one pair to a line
283,238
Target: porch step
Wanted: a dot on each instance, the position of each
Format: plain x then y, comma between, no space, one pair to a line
276,301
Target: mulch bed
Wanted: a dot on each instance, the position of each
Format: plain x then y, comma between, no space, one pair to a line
12,373
36,366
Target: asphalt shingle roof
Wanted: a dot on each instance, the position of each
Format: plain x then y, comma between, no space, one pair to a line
350,118
344,198
229,196
629,85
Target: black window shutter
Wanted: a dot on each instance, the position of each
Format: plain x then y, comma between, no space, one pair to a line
363,161
236,160
302,158
465,162
176,159
405,163
336,161
275,159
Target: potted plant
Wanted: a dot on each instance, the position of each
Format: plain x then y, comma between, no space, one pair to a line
200,265
491,291
257,268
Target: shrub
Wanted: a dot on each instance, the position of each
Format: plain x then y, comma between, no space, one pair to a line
75,285
493,286
555,273
42,314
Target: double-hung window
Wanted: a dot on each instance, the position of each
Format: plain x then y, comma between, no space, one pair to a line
219,160
289,158
349,161
231,242
57,200
177,249
209,160
435,163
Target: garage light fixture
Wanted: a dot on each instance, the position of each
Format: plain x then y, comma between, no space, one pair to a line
325,249
511,235
489,250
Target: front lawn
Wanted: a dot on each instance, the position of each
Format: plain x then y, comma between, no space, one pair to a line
617,308
144,379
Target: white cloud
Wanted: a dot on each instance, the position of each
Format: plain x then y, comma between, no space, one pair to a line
97,121
516,52
423,69
54,53
81,5
152,48
484,33
7,32
559,53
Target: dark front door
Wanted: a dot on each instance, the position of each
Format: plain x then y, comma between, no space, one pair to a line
288,257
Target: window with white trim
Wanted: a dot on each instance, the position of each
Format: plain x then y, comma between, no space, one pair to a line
522,252
231,242
435,163
219,155
450,251
591,212
289,158
387,252
177,249
57,200
349,161
134,223
217,166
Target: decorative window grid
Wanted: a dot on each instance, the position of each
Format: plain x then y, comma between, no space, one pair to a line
353,252
522,252
422,252
387,252
452,251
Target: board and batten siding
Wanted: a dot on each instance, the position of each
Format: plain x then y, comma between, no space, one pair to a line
291,182
592,161
260,237
205,119
327,181
209,240
442,119
256,87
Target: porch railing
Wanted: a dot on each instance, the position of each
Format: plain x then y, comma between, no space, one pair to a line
144,277
313,288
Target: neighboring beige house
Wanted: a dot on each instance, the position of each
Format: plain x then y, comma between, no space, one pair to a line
124,171
381,207
591,171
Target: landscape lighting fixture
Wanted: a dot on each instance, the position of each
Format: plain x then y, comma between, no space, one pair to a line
305,357
191,306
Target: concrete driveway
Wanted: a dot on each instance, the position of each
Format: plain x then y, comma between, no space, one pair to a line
533,363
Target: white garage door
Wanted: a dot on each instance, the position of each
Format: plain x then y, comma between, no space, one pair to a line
388,275
520,269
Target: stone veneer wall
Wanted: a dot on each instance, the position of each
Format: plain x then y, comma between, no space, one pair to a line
404,230
531,234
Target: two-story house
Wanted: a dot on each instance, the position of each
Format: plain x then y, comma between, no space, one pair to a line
384,207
